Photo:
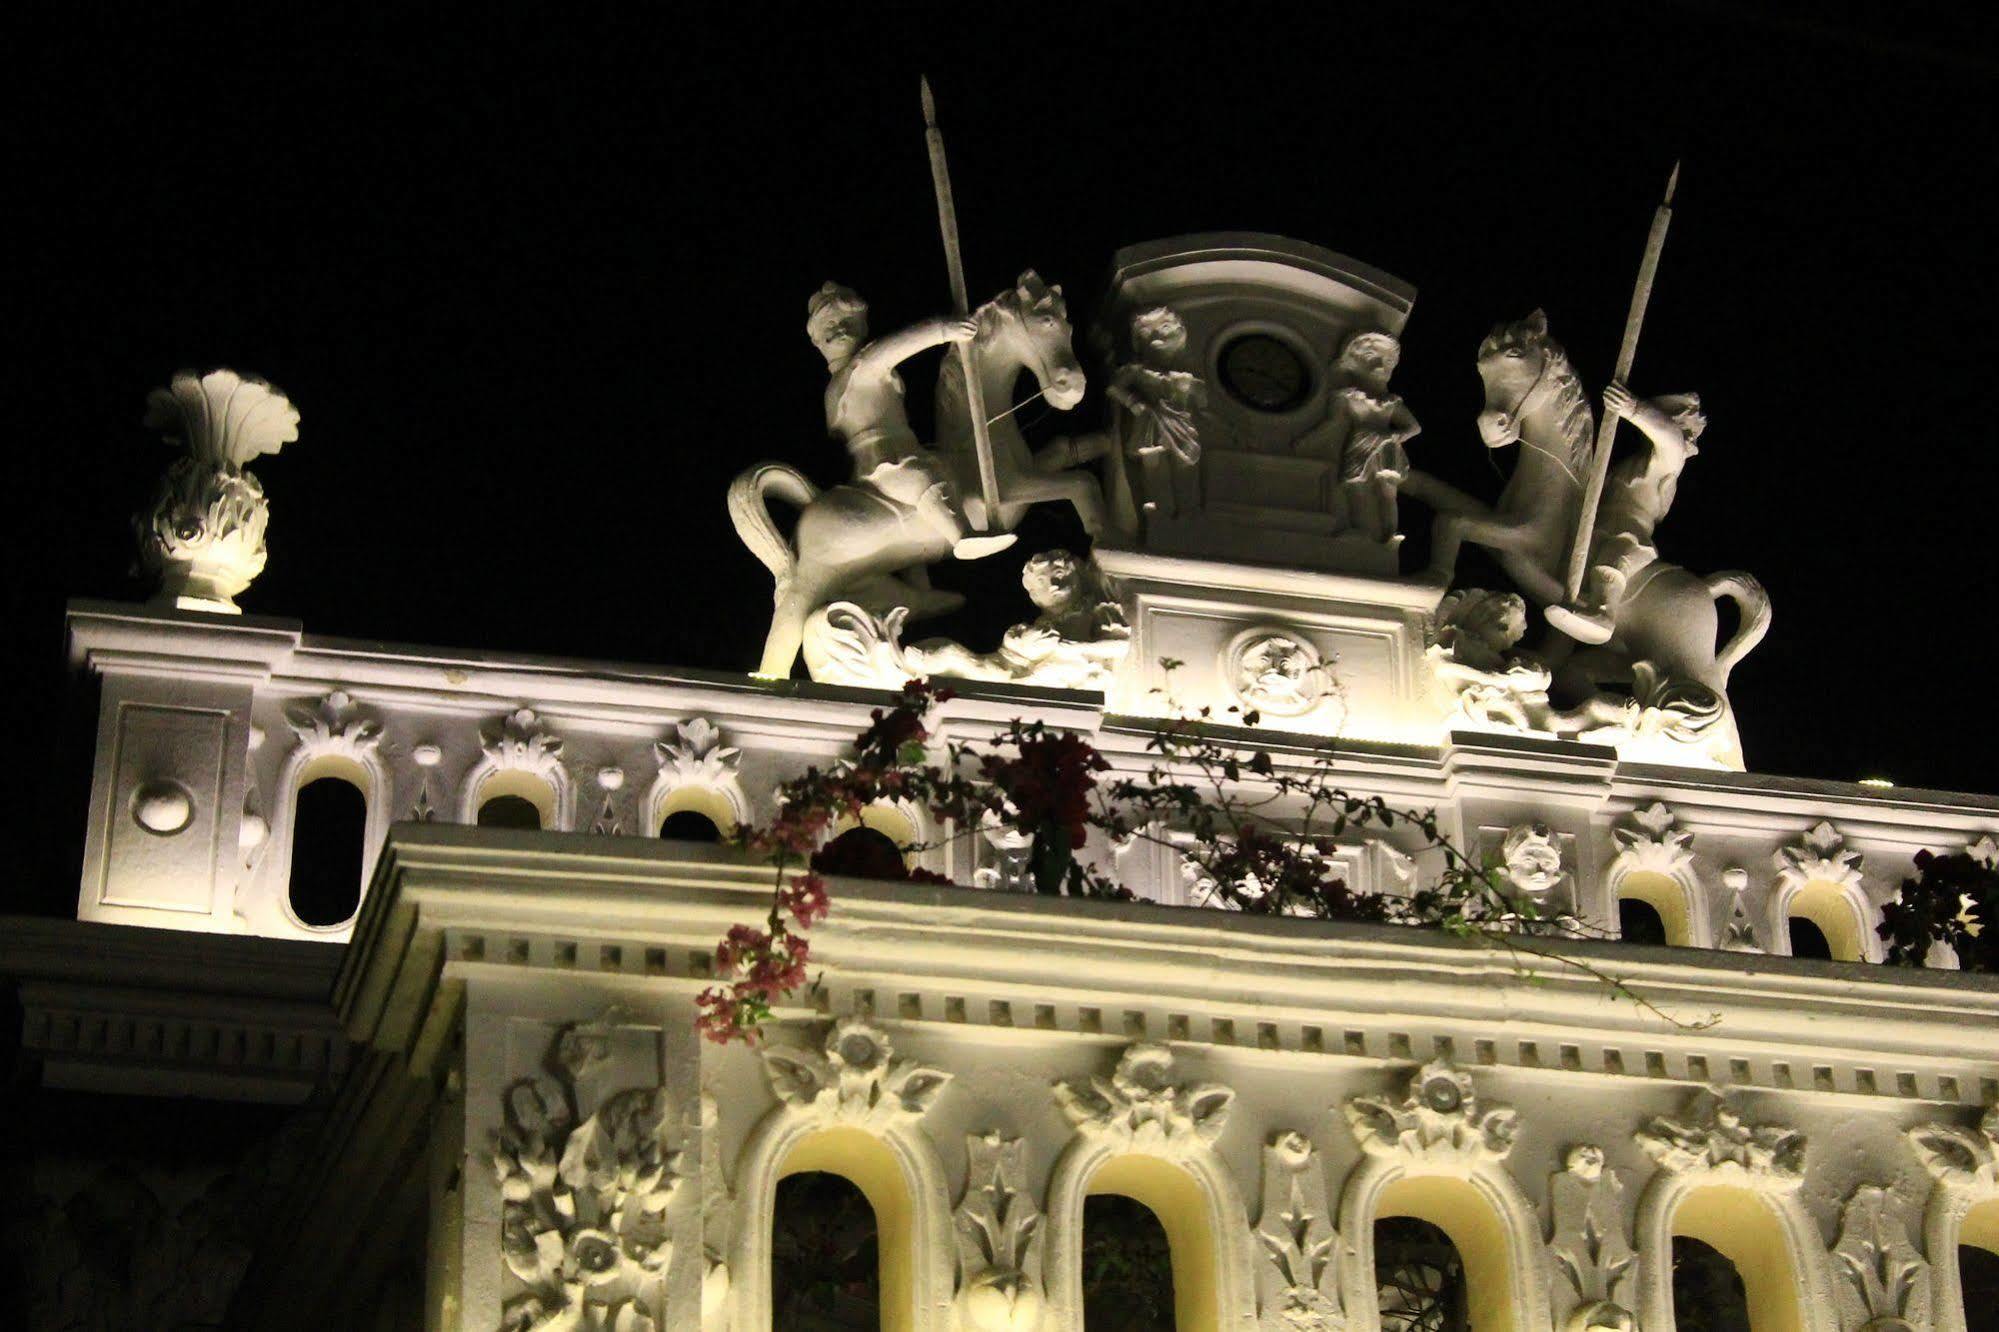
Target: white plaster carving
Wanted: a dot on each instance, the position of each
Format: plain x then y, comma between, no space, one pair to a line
162,807
519,742
1587,1243
1961,1158
1819,855
696,757
335,725
853,1077
1651,840
1712,1135
1298,1278
1141,1107
718,1216
1155,441
908,506
1437,1118
1471,649
1739,934
584,1203
1533,860
999,1241
204,534
1276,671
1886,1283
336,729
1985,851
1077,641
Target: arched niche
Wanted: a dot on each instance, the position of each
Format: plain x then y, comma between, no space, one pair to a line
1173,1196
1199,1208
710,802
1487,1218
894,1167
1840,914
522,785
1958,1215
900,825
362,771
1775,1246
1673,897
862,1160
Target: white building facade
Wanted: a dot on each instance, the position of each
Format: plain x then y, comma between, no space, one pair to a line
516,1125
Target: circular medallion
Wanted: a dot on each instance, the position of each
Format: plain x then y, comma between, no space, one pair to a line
162,807
1276,671
1264,372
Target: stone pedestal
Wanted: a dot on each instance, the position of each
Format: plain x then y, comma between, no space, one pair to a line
1319,653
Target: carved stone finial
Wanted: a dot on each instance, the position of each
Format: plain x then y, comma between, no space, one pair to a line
1588,1244
853,1077
999,1240
1887,1283
1141,1105
1298,1280
204,533
1438,1117
1712,1135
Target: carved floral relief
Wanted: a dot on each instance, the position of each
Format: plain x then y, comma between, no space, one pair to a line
853,1077
1713,1135
999,1236
1141,1106
583,1224
1298,1278
1438,1117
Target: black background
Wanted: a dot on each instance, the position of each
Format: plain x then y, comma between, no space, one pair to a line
536,281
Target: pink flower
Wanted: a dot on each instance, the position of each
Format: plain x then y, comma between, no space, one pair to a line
805,898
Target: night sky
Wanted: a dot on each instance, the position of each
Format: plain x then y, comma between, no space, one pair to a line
537,287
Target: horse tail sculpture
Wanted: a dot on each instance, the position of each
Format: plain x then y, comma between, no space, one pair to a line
749,510
1752,604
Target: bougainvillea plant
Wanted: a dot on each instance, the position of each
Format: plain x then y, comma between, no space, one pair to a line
1257,836
1953,901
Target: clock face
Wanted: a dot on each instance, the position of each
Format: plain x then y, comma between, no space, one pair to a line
1265,373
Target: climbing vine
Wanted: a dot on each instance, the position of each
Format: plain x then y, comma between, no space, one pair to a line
1262,838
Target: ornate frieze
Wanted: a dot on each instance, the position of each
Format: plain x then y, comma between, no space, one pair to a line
1438,1117
1712,1135
1141,1106
1297,1280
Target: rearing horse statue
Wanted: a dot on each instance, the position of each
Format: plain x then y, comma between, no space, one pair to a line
1534,399
1662,640
1037,321
850,544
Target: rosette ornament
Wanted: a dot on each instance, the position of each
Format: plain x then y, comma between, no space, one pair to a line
203,535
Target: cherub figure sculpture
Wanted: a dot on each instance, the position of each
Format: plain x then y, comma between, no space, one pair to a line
1366,428
1636,495
1161,403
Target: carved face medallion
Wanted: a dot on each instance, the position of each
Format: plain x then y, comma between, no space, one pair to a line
1276,671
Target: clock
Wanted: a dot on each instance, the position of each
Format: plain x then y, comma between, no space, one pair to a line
1263,372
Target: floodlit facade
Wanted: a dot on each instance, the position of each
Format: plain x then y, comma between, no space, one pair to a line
457,907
